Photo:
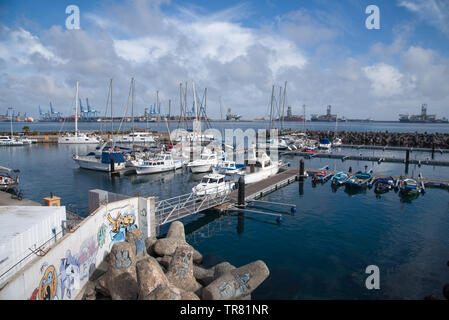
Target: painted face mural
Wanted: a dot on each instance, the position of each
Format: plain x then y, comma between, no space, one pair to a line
49,284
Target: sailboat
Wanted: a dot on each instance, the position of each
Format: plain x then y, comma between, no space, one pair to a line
8,178
112,158
337,141
77,137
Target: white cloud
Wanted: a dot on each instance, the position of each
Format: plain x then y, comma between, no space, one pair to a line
385,79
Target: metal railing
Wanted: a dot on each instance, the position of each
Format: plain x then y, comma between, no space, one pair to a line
181,206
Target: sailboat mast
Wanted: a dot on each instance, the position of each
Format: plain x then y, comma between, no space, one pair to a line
132,109
76,110
271,107
12,114
112,118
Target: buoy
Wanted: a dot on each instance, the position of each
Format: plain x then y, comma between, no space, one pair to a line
278,219
292,209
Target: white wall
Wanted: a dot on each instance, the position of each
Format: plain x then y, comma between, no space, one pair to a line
65,269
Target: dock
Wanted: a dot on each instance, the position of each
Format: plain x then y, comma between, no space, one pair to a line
8,199
379,159
268,185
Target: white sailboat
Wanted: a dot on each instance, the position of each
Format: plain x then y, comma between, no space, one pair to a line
111,159
337,141
77,137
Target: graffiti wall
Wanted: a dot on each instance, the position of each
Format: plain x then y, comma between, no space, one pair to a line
66,268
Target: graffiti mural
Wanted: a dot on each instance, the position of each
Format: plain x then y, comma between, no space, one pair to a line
69,276
49,284
124,220
101,235
87,257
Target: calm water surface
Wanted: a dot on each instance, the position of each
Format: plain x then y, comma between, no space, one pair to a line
319,252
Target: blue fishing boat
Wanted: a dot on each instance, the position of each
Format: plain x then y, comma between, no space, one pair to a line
339,178
360,180
383,185
409,187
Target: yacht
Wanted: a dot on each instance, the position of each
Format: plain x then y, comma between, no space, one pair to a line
261,167
337,142
111,160
161,163
8,141
137,138
8,178
204,163
213,184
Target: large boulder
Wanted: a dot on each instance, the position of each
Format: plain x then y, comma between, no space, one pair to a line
149,276
237,283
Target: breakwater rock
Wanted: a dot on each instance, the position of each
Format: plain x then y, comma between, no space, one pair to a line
169,269
394,139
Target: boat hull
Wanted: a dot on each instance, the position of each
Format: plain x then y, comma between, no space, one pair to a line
96,164
260,175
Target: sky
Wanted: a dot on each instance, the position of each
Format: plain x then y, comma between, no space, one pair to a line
238,50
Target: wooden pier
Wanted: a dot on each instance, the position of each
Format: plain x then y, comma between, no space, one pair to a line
268,185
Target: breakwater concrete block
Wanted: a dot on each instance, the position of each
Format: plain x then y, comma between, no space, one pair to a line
122,282
175,238
221,268
149,276
202,275
180,270
137,241
237,283
176,231
164,292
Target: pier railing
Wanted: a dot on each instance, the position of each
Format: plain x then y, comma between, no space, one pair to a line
184,205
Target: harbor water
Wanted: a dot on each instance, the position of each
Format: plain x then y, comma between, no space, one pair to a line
319,252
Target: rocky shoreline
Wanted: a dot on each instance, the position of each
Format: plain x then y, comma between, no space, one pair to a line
169,269
393,139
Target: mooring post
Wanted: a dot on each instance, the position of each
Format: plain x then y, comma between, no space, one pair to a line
407,157
241,193
301,170
433,151
111,162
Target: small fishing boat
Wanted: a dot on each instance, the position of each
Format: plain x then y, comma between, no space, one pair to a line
8,178
227,167
204,164
325,144
213,184
163,162
319,177
383,185
337,142
310,149
409,187
261,166
360,180
339,178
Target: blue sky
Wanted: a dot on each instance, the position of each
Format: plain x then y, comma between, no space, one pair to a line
238,49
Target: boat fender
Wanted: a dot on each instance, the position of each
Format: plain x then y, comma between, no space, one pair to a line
279,219
292,209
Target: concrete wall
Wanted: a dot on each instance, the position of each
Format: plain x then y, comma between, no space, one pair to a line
66,267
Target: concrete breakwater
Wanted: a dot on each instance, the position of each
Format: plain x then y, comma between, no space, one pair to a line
169,269
413,140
